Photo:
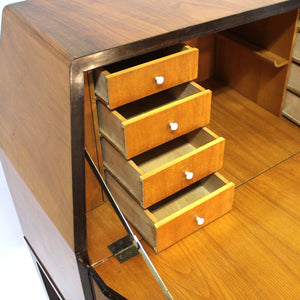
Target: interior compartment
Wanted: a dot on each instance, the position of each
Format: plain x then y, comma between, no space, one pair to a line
138,60
169,167
173,150
174,218
152,102
189,195
253,59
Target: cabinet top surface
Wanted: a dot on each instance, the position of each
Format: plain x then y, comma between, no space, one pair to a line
78,28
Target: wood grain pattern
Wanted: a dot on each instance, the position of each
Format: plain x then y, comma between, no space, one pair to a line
274,34
256,246
160,172
35,129
93,191
206,46
170,178
103,229
127,85
241,68
174,218
43,235
144,124
114,24
255,139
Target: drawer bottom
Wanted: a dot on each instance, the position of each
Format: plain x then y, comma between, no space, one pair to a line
177,216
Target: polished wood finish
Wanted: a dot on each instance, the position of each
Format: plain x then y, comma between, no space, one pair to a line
145,124
255,246
160,172
114,24
43,235
206,46
255,139
35,124
46,48
269,58
175,217
93,191
126,84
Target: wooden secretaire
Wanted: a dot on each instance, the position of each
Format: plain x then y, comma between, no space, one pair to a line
160,100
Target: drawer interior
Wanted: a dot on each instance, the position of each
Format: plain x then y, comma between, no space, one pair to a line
189,195
174,149
152,102
131,62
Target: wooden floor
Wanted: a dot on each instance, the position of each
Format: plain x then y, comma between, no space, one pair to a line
253,252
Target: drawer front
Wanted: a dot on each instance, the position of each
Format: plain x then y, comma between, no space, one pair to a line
152,178
174,176
193,217
164,124
175,224
142,80
157,124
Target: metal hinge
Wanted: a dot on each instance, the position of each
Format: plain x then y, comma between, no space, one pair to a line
123,249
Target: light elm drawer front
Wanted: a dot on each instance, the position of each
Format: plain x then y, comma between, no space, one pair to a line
162,171
128,81
174,218
156,119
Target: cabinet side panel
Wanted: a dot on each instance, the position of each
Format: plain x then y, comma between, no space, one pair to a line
35,119
47,242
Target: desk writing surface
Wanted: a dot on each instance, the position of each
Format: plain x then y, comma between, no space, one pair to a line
76,29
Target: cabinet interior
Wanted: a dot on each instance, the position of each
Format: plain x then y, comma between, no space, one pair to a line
251,60
172,150
185,197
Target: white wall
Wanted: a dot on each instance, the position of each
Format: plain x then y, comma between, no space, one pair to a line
19,279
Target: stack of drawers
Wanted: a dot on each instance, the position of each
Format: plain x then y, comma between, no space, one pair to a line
160,162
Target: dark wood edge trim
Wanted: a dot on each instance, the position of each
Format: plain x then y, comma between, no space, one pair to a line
78,166
38,261
80,65
90,62
126,51
107,291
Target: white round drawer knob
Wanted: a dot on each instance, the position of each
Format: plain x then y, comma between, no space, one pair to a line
159,80
200,221
189,175
173,126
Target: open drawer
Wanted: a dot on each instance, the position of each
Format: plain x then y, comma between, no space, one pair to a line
132,79
164,170
142,125
177,216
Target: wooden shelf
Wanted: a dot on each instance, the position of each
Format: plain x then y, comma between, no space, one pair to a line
268,56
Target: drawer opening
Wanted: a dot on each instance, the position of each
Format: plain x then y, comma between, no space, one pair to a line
138,60
174,149
158,100
183,198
